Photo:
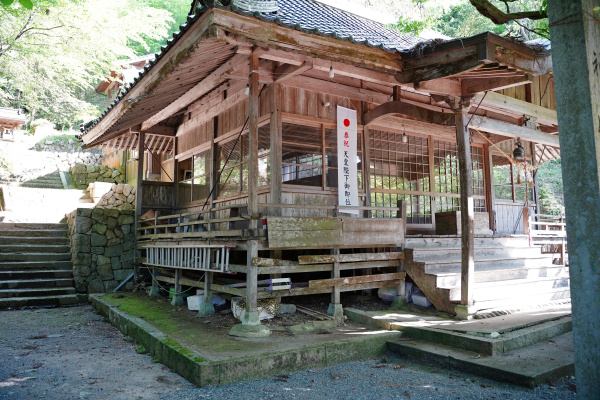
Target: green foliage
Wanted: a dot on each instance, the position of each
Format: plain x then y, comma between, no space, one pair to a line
25,3
550,186
53,56
6,164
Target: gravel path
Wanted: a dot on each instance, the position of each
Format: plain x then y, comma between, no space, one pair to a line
70,353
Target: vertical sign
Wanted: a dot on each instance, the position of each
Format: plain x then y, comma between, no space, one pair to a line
346,143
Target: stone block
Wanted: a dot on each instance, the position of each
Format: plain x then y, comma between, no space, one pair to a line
126,190
99,228
107,174
118,233
78,169
82,271
96,285
125,219
92,177
112,213
122,274
127,246
98,240
103,260
90,168
115,173
114,251
83,224
113,242
116,264
126,229
110,235
98,215
84,212
130,237
131,199
81,243
80,258
109,286
98,250
105,272
128,256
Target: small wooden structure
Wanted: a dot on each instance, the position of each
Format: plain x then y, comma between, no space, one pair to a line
240,110
11,120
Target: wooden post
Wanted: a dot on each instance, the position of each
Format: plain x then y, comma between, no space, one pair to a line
275,152
400,298
214,171
139,194
526,226
488,184
252,245
155,290
367,171
177,296
335,307
461,106
175,173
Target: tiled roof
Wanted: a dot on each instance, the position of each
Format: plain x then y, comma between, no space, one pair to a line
313,17
303,15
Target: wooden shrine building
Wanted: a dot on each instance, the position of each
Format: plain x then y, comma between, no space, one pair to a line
240,109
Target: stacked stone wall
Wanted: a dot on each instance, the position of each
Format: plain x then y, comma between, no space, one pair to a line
84,174
102,248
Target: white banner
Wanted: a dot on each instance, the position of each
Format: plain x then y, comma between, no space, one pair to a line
347,159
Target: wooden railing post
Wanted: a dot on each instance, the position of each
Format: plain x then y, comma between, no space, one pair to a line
526,221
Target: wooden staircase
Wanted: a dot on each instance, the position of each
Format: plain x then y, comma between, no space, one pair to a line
508,272
35,266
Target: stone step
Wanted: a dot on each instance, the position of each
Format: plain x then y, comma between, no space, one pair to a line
42,185
525,300
33,233
29,257
36,283
455,254
38,301
34,248
43,265
455,242
40,240
513,289
31,226
36,292
529,366
489,264
36,274
449,280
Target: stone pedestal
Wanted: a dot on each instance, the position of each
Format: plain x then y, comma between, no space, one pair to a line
399,302
177,300
250,326
206,309
336,311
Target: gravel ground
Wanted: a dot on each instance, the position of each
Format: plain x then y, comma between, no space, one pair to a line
70,353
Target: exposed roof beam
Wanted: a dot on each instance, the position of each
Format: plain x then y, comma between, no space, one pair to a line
513,131
210,112
161,130
499,101
440,70
409,110
207,84
287,71
473,86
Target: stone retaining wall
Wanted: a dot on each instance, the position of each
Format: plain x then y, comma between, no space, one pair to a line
83,174
102,248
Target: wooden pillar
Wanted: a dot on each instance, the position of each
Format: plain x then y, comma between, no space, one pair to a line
252,245
575,32
489,185
461,106
214,172
175,173
367,171
276,157
138,195
177,296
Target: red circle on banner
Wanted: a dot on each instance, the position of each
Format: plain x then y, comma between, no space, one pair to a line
346,122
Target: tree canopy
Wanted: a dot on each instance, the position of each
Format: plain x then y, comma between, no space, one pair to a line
54,53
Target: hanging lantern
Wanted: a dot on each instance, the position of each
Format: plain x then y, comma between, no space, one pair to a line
519,151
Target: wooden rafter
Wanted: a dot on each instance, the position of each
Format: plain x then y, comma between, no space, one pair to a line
410,110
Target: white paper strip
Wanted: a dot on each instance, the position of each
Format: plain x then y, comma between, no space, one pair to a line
347,159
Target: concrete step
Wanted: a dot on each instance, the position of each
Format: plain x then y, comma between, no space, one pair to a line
24,226
31,257
524,300
36,274
40,240
514,289
449,280
38,301
36,283
489,264
43,265
34,248
36,292
455,242
447,254
529,366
